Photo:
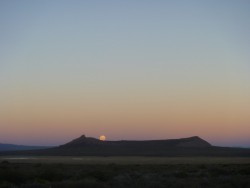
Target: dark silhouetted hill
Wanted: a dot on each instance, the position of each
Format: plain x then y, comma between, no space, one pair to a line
88,142
184,147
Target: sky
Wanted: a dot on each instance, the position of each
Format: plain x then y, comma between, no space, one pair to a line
130,69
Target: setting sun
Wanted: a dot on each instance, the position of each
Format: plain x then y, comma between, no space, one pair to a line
102,138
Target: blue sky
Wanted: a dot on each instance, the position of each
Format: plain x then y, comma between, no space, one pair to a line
102,53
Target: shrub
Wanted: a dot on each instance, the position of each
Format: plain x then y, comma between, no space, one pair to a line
5,162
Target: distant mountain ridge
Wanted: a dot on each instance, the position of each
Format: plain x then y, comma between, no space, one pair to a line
183,147
14,147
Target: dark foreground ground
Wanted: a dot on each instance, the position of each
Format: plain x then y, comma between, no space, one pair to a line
115,175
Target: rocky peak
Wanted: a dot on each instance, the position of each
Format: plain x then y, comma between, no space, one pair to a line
194,141
80,141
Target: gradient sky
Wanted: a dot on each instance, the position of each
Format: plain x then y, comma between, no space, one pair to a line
126,69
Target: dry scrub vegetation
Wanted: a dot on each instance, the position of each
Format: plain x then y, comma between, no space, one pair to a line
44,175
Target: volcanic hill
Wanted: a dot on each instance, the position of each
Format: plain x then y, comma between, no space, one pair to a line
183,147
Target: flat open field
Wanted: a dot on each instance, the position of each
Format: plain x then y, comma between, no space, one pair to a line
129,160
124,172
